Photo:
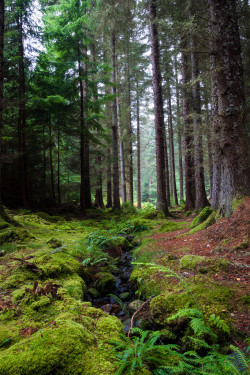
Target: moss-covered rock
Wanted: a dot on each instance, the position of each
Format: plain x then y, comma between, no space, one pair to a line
16,234
54,243
105,282
171,226
54,347
203,215
3,225
56,264
18,277
209,221
146,283
202,263
74,286
50,219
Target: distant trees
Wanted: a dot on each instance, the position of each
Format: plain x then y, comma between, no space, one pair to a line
77,122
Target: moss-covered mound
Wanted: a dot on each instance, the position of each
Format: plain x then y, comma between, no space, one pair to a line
203,215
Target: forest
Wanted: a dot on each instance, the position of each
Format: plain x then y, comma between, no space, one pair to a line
124,187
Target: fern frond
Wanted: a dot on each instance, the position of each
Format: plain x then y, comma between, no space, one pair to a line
219,323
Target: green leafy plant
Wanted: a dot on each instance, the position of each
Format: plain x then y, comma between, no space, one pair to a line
122,304
141,351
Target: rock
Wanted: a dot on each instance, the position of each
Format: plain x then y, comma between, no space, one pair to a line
54,243
111,308
125,276
125,296
105,282
2,253
135,305
93,293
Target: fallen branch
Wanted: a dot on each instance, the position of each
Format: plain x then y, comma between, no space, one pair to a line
28,265
136,312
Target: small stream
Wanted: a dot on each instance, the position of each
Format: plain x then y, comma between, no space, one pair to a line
124,290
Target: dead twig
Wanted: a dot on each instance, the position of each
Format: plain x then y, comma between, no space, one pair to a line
136,312
30,266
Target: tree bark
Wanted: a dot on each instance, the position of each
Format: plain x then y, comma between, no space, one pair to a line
167,171
122,161
171,145
2,10
22,147
52,181
179,130
231,169
138,147
82,134
98,193
114,129
130,135
188,132
109,180
58,166
200,192
159,114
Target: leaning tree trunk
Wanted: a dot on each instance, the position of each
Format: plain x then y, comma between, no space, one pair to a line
188,133
159,114
1,92
230,138
116,195
200,192
22,146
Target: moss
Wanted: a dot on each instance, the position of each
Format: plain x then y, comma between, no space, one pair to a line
42,302
121,242
97,363
209,221
18,277
54,265
50,219
203,215
105,282
171,226
18,294
202,263
74,286
4,225
8,335
236,202
17,234
54,243
188,213
145,282
208,298
109,327
54,347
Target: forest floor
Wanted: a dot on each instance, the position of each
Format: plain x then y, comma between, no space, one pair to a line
54,268
228,238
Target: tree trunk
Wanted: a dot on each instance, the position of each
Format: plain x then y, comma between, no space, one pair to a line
87,189
116,195
1,92
109,180
58,167
188,133
130,135
82,135
122,161
22,147
209,147
171,145
52,182
200,192
167,171
98,193
231,170
138,148
179,131
159,114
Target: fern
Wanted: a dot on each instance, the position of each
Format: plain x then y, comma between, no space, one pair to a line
219,323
